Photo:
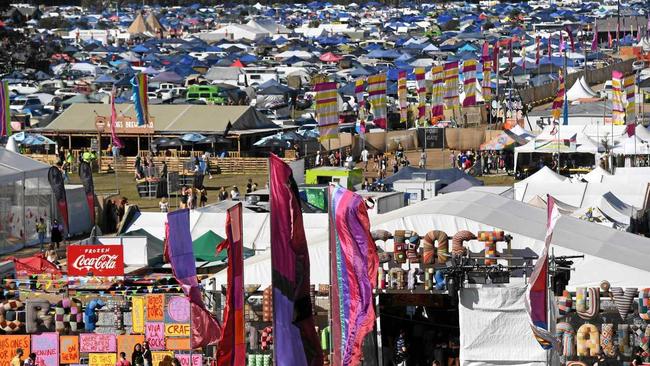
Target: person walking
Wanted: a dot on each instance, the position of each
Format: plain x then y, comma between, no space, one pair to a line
41,229
423,160
122,361
401,351
223,194
136,356
364,158
56,234
146,355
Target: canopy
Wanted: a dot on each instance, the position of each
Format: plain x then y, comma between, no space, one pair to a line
499,142
34,265
580,90
632,145
205,247
330,57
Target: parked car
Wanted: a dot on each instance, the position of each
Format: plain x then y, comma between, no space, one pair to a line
24,87
24,104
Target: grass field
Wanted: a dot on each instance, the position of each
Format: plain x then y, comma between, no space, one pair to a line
105,184
497,180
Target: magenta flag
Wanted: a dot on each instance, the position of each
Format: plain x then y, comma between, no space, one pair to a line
353,275
232,349
205,329
594,41
570,33
116,140
294,331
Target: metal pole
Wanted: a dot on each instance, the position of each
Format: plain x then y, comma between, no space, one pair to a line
331,274
618,24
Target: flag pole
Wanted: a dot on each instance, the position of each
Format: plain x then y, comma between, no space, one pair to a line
268,162
329,261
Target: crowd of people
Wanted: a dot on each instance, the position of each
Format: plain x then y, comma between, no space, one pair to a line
480,162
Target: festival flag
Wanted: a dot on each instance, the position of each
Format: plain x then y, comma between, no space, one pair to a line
594,40
55,178
469,74
550,46
86,177
140,98
523,56
377,98
437,95
327,109
422,93
537,293
495,57
562,44
485,52
232,346
558,102
359,89
294,332
401,96
630,95
638,33
5,110
451,84
115,140
538,39
510,66
486,85
353,275
610,42
571,41
618,99
205,329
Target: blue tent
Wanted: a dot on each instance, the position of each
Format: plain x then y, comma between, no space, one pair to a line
168,77
140,49
105,79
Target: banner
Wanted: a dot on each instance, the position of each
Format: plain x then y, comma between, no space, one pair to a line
177,344
114,139
9,344
154,333
177,309
140,98
630,95
359,89
5,110
469,74
486,84
55,178
155,307
194,360
353,275
46,348
126,343
86,177
538,39
377,98
294,335
99,343
102,359
437,95
422,93
594,40
401,96
618,99
69,349
137,313
96,260
451,84
327,109
558,102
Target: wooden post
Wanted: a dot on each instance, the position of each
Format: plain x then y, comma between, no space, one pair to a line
69,142
138,153
239,145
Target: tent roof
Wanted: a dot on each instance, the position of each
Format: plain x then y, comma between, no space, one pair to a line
446,176
460,185
13,166
544,175
168,118
34,265
205,246
596,175
579,90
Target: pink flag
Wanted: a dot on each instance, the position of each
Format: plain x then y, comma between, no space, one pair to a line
570,33
537,41
550,48
594,41
610,42
116,140
486,49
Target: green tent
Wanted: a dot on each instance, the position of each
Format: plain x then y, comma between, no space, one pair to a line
205,248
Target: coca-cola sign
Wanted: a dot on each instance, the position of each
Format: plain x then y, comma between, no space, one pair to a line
95,260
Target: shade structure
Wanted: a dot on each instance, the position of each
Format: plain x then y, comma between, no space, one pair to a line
192,137
330,57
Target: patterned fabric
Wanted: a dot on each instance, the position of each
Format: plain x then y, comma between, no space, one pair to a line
623,300
644,304
587,302
140,98
457,241
486,85
564,303
490,238
588,340
618,99
422,93
266,339
566,332
451,84
438,93
441,248
469,75
630,94
377,98
607,340
558,102
327,109
624,340
401,96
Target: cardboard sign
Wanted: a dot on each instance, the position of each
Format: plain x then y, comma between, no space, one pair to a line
155,334
98,260
177,309
186,360
126,343
177,330
9,344
46,347
162,358
137,314
69,349
177,344
102,359
98,343
156,307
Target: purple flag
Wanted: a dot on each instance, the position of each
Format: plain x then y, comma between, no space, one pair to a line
594,41
294,331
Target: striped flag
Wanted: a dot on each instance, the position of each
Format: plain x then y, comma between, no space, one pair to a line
422,93
115,140
232,347
401,96
537,293
618,99
451,84
469,74
359,89
5,110
327,109
538,39
294,332
549,49
140,98
570,33
486,85
437,95
353,275
377,99
630,94
558,102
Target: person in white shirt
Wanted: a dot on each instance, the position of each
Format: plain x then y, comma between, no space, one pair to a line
234,193
364,158
318,158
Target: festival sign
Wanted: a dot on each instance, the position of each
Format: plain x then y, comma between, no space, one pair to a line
137,314
46,348
177,344
177,330
99,343
156,307
162,358
184,358
69,349
124,125
102,359
126,343
155,335
177,309
98,260
9,344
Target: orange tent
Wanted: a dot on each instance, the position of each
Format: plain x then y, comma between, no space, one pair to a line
237,63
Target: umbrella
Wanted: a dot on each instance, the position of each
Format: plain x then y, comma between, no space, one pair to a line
175,142
192,137
32,139
160,141
213,140
310,134
271,142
